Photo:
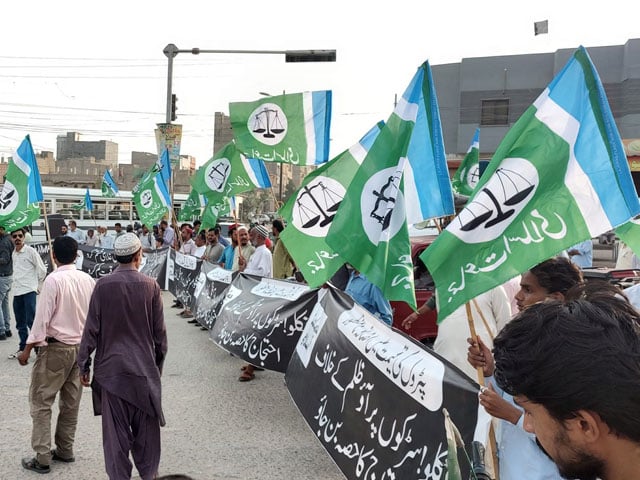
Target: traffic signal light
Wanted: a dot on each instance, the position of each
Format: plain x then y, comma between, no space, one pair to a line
174,99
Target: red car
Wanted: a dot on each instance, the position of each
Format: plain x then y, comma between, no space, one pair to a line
425,328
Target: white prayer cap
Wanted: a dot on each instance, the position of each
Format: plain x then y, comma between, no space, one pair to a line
260,230
127,244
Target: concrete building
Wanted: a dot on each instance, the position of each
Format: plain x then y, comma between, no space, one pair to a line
492,92
70,146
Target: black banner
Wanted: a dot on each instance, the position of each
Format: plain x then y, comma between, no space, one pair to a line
183,272
43,251
96,261
374,397
154,265
261,319
210,291
99,262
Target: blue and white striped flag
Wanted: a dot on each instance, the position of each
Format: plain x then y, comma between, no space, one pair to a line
164,164
109,187
228,173
427,188
559,177
290,128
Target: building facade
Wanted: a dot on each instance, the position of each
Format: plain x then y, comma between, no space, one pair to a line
70,146
491,93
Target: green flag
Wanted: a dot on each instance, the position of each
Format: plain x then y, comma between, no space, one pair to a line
21,189
109,187
454,440
466,177
228,173
151,197
629,233
192,207
310,211
370,228
213,210
559,177
291,128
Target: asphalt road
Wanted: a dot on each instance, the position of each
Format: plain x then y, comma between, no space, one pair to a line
217,428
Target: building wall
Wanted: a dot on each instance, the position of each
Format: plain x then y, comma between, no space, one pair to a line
222,133
70,146
461,88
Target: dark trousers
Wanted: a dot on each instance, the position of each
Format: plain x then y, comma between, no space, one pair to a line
126,428
24,309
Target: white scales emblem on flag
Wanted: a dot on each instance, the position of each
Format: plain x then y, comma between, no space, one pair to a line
316,206
503,197
268,124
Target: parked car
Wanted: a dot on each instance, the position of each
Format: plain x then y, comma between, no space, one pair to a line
623,278
425,328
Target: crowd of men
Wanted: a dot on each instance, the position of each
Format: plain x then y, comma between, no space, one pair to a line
558,360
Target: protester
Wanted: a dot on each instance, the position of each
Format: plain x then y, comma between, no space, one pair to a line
490,312
106,240
168,234
243,250
575,370
260,260
223,241
92,239
582,254
226,259
130,343
369,296
147,239
75,233
282,261
28,273
552,279
6,279
188,245
64,229
214,248
200,241
258,264
56,334
118,228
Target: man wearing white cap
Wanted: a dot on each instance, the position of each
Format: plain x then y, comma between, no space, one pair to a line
259,263
125,327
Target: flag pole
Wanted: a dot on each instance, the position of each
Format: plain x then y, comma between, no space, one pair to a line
480,372
46,229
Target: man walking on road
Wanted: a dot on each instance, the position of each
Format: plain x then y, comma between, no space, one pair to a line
125,327
6,274
56,334
28,273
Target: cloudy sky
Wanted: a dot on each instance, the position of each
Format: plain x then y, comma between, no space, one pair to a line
98,67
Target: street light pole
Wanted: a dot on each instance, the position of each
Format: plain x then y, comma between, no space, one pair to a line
291,56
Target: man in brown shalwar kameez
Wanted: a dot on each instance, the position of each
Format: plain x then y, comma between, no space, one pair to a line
125,326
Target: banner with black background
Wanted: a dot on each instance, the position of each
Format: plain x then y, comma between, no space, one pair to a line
373,396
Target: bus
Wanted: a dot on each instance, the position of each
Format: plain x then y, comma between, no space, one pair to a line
106,211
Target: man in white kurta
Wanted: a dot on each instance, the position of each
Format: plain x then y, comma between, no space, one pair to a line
453,332
259,264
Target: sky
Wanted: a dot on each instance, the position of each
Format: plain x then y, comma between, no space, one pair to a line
98,68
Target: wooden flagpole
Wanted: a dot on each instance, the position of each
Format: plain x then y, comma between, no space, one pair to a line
480,373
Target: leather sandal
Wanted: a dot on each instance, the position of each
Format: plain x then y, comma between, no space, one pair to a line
246,377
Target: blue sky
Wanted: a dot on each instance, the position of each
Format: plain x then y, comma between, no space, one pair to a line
98,67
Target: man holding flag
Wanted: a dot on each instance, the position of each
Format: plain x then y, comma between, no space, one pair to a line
558,178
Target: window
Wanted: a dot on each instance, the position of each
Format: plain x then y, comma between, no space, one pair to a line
495,112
